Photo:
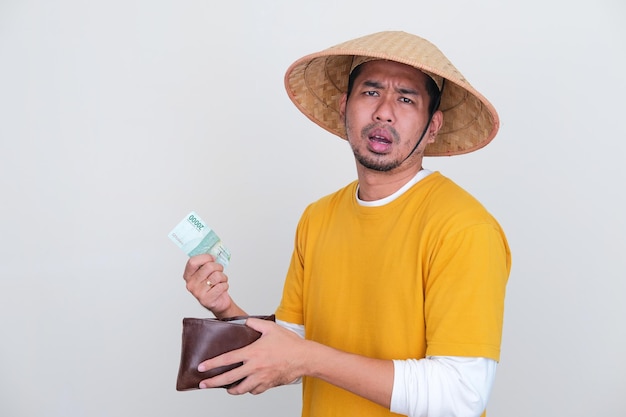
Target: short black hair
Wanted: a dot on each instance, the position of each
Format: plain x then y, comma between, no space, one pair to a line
431,88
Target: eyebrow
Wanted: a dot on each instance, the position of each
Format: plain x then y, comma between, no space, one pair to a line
408,91
373,84
402,90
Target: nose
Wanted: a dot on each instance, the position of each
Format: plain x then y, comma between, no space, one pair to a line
384,111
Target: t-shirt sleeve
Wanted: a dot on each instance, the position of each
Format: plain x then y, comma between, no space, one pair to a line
291,307
464,293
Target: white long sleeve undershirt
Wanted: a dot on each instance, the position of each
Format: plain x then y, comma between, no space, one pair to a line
439,386
436,386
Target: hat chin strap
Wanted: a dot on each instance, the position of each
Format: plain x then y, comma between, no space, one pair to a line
430,118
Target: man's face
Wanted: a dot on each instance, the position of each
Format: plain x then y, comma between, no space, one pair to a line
386,113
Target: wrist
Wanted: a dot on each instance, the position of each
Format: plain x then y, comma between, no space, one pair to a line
233,310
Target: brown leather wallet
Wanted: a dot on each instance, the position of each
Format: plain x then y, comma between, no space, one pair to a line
207,338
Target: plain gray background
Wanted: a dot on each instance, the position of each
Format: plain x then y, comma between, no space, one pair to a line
117,118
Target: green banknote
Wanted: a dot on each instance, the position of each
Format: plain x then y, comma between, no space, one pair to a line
194,237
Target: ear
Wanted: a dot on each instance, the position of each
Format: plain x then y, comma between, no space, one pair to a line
343,101
435,124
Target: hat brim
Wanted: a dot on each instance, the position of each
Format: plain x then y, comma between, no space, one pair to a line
316,83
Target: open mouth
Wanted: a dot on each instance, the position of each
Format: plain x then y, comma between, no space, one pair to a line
380,136
380,140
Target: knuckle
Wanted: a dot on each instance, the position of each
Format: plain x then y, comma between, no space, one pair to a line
220,276
193,262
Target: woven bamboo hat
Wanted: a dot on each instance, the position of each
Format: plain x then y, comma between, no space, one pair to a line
316,82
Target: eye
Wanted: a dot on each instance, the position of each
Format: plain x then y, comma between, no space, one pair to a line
371,93
406,100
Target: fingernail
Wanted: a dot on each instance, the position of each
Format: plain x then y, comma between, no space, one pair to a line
202,385
201,368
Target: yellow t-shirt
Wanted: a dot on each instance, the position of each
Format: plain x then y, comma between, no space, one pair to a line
422,275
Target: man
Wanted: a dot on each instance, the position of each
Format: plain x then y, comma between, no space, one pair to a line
397,281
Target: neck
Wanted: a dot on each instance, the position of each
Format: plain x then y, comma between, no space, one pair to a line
375,185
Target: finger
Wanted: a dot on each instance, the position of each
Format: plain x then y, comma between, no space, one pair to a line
208,269
225,378
247,385
197,261
213,279
228,358
205,280
194,263
230,379
260,325
210,272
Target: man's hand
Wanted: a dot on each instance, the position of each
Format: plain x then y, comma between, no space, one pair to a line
274,359
207,282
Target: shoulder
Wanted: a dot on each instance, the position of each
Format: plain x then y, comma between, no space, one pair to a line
344,195
448,203
442,187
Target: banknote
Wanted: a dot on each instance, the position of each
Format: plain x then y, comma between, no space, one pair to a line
194,237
